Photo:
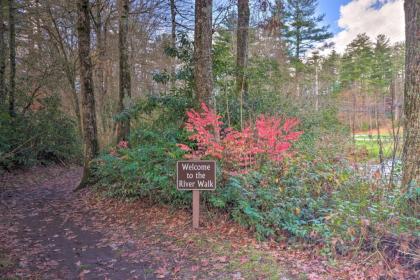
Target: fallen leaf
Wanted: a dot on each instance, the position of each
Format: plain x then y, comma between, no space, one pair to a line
244,259
222,259
161,272
195,268
177,269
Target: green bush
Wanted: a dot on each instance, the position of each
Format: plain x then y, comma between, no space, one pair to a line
38,137
362,210
145,170
272,201
318,202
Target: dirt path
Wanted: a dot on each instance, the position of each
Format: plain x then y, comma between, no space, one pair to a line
48,234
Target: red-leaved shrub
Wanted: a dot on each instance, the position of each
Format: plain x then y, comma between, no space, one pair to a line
239,151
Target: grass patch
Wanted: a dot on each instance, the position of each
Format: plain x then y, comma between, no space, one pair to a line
370,144
5,262
247,262
255,264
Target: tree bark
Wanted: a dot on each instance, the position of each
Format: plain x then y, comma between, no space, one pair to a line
173,40
88,99
202,51
72,82
411,150
3,94
123,128
242,55
100,82
173,23
242,50
12,53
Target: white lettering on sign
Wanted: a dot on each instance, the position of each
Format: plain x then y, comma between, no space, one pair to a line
185,184
195,167
205,184
196,175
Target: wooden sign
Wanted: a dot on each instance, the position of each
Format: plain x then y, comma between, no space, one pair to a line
196,175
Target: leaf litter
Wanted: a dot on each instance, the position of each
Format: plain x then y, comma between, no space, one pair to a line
47,231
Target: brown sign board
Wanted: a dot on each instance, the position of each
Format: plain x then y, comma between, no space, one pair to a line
196,175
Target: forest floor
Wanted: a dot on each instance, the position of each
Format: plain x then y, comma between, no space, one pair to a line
49,232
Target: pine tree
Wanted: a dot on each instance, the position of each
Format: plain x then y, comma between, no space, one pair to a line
301,26
382,63
357,61
381,79
330,72
356,71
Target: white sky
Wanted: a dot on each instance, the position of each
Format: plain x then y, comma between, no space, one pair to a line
372,17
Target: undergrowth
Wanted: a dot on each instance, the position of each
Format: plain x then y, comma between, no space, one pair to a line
314,196
38,137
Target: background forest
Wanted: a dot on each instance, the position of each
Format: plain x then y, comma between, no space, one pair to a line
327,164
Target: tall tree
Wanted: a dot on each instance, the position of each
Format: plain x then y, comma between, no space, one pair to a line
202,51
125,81
100,23
381,77
12,54
301,28
173,39
329,72
63,39
3,93
242,50
315,60
173,23
411,150
382,64
88,98
356,69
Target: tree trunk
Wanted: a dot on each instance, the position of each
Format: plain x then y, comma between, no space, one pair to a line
202,51
12,52
316,86
242,50
173,40
411,150
88,99
100,31
3,93
173,23
123,128
75,99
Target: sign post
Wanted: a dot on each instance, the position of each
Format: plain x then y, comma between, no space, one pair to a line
196,208
196,175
